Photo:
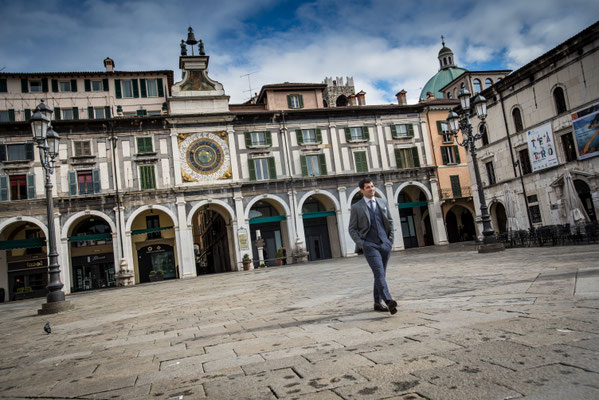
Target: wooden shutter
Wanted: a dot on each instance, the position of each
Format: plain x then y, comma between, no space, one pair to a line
439,128
268,138
31,186
96,179
272,169
90,112
117,89
393,131
252,169
105,84
361,161
141,113
323,164
248,139
45,85
289,101
444,150
4,188
11,115
73,85
365,133
399,159
147,177
455,186
73,183
318,136
456,152
410,128
160,88
87,85
347,135
29,151
135,85
300,136
142,85
301,100
75,113
55,85
415,157
2,152
24,85
57,115
3,86
27,114
304,165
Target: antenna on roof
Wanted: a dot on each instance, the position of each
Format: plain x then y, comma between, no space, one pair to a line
249,83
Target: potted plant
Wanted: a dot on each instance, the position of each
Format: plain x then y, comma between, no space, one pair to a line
156,275
247,262
279,257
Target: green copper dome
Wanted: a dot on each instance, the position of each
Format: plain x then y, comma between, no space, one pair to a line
439,80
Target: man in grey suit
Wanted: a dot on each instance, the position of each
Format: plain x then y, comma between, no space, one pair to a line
371,228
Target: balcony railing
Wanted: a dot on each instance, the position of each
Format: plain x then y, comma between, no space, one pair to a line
461,193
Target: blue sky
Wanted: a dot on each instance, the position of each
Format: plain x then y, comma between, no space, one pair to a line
386,45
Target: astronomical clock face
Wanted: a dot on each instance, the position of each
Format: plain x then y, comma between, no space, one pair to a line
205,157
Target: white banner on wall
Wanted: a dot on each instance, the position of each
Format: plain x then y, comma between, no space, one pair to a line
541,147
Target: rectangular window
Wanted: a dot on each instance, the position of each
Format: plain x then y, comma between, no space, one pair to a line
3,86
261,165
85,182
258,138
35,86
532,199
144,145
295,101
450,155
447,138
18,187
67,113
82,148
535,214
407,158
147,177
491,173
455,186
402,130
97,86
356,133
361,161
569,148
16,152
99,113
152,87
153,221
313,165
127,88
4,116
525,162
309,135
65,86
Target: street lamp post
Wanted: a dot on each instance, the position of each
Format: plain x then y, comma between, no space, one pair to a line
461,122
47,142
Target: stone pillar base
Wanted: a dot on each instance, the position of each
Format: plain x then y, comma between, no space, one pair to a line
490,247
56,307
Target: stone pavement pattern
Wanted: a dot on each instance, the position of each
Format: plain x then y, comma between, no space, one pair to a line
520,324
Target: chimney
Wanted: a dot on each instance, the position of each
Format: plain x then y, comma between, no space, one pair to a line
109,64
361,95
401,97
352,100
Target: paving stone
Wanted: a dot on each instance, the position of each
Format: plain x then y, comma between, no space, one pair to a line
90,385
277,363
403,367
322,395
224,363
409,350
399,385
251,386
135,392
293,351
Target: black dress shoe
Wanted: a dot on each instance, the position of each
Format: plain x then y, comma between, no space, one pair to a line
392,305
379,307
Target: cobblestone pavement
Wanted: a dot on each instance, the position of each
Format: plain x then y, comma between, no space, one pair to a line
522,323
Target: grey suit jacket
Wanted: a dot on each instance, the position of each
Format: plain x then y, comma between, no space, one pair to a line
359,221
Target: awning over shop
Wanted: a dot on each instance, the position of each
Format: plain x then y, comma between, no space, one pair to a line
318,214
22,243
412,204
95,236
263,220
150,230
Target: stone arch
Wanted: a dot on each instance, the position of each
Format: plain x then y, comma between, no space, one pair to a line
516,114
564,97
356,190
427,192
273,197
71,220
326,193
203,203
32,220
150,207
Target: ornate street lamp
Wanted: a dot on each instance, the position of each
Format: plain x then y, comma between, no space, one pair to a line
47,142
461,121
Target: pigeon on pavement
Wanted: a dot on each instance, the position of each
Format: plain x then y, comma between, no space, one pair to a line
47,328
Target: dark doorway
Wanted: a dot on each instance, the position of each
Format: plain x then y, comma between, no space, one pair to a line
157,257
501,218
270,232
451,224
212,243
584,192
341,101
317,238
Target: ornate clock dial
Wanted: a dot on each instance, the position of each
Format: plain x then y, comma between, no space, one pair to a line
206,156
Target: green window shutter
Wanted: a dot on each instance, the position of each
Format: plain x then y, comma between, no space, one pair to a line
90,112
318,136
55,85
75,113
3,86
27,114
144,145
347,135
365,133
45,85
135,85
87,85
105,84
29,151
410,130
439,128
160,88
272,169
73,183
96,179
11,114
456,152
57,113
268,138
361,161
142,85
2,152
73,85
456,188
289,101
252,169
304,165
141,113
24,85
300,136
393,131
399,159
147,177
107,111
415,157
4,188
323,164
444,155
248,140
117,89
301,100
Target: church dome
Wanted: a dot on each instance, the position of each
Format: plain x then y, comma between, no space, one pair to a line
448,71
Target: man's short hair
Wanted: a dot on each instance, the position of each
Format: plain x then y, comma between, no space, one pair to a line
364,181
